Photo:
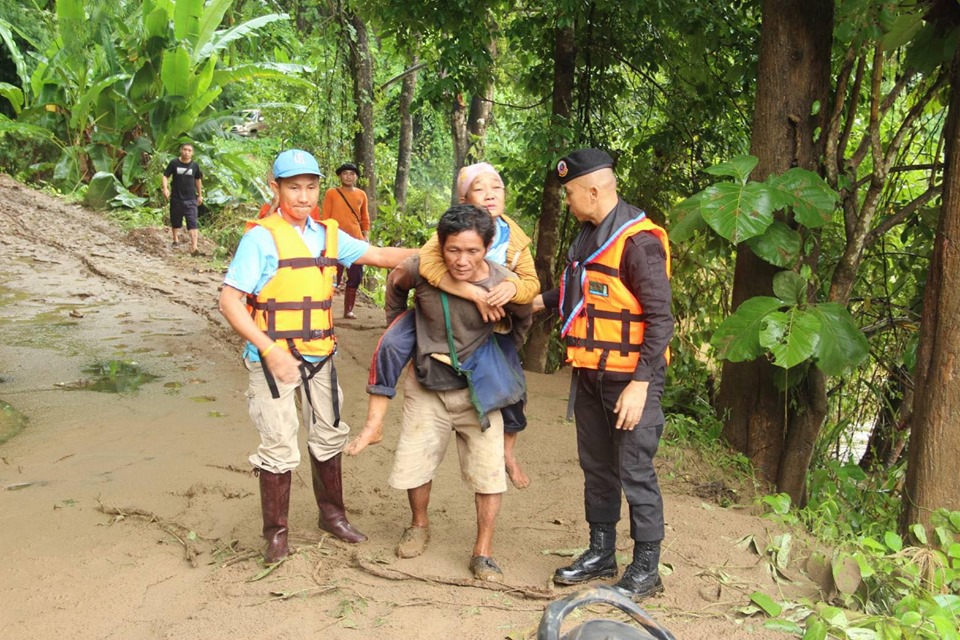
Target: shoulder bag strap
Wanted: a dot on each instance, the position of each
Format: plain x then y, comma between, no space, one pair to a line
446,322
352,210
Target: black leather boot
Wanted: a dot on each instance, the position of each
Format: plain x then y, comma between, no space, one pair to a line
328,489
599,561
641,579
275,504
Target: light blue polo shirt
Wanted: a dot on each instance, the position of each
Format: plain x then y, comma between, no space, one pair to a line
256,259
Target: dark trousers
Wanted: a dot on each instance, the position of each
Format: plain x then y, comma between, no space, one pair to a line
397,347
354,275
615,460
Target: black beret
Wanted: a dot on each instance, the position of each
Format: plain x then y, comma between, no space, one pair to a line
347,166
582,162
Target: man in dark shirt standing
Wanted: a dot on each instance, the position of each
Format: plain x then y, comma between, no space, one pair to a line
185,196
617,323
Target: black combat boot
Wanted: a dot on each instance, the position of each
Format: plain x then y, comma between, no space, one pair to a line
599,561
641,579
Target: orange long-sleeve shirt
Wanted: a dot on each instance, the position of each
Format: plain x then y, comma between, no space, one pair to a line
355,223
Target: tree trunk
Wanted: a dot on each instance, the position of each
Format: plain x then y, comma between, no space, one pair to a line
537,348
932,480
480,109
461,141
802,432
469,129
793,74
469,126
361,70
405,150
894,414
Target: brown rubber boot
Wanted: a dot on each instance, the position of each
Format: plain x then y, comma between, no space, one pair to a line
275,504
328,488
349,299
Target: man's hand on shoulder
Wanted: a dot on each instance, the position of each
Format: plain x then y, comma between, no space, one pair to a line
488,312
502,293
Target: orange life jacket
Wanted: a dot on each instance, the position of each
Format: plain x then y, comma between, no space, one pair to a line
605,330
295,306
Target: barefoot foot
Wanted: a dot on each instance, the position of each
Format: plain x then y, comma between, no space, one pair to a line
519,479
367,437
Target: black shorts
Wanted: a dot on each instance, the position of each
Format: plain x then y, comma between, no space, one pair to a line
180,209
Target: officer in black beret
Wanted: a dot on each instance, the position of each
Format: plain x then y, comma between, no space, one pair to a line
617,324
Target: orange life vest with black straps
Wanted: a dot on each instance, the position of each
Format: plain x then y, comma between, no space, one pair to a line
605,330
295,306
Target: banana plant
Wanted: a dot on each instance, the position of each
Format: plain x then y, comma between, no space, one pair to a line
126,80
787,327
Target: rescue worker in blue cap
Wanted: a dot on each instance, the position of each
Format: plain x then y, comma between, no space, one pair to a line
617,324
277,294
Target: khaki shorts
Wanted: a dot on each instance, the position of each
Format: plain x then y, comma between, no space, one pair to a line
429,417
278,420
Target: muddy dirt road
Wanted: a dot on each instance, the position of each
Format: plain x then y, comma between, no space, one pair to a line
133,515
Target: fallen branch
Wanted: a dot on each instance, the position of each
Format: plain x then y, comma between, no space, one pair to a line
427,602
247,555
531,593
279,596
187,540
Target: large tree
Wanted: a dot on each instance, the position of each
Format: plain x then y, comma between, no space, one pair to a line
793,76
361,71
405,145
932,479
548,237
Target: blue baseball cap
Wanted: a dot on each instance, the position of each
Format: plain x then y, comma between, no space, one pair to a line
295,162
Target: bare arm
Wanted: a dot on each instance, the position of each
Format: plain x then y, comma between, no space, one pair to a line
399,283
166,187
387,257
199,186
233,307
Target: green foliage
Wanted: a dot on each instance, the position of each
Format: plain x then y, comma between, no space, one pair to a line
127,80
875,583
392,228
105,190
787,327
741,209
844,501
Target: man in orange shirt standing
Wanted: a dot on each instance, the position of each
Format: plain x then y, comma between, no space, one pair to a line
348,206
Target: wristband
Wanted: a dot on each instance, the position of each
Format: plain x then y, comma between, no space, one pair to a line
263,354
